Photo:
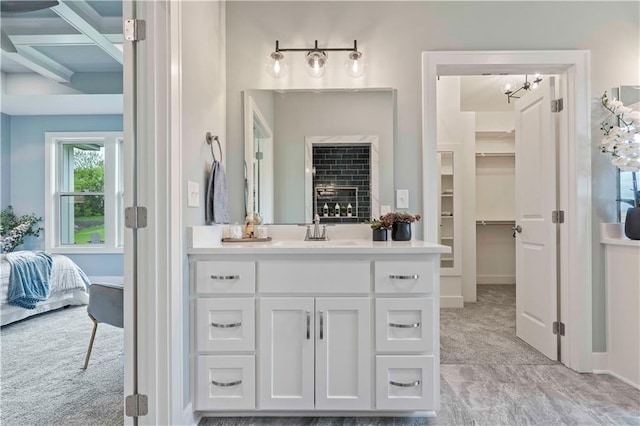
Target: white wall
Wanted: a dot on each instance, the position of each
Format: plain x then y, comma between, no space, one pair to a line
203,102
393,34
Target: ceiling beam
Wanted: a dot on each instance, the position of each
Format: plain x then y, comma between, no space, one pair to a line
83,18
29,57
60,39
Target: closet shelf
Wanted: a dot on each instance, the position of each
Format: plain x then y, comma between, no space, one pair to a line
495,222
446,238
446,195
495,154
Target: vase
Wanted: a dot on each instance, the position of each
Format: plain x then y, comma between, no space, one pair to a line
380,235
632,223
401,231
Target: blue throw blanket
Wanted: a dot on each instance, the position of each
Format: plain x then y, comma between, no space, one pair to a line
30,277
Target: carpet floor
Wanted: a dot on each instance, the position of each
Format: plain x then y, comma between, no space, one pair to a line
41,376
485,332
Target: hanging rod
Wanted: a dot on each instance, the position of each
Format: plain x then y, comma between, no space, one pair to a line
495,154
495,222
210,138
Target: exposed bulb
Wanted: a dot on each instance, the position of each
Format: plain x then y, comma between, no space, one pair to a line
315,63
277,65
508,87
354,64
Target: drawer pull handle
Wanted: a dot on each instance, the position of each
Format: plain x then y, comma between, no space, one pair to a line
308,325
321,325
225,277
405,385
226,385
404,277
230,325
396,325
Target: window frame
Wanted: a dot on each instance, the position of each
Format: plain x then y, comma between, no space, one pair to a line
113,190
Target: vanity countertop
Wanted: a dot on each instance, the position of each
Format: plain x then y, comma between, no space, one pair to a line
336,246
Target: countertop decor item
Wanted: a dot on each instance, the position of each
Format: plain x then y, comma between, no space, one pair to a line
246,240
380,229
400,224
622,141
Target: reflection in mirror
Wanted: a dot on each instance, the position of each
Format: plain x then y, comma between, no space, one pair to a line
291,134
630,97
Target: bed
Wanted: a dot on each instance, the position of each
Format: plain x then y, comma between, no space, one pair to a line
69,286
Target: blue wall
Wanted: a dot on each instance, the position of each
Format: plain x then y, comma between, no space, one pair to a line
5,163
27,182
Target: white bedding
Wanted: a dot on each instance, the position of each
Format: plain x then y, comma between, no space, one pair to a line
67,288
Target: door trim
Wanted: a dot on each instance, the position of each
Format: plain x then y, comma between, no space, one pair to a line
574,174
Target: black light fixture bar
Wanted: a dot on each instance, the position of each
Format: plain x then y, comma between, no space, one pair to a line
317,49
525,86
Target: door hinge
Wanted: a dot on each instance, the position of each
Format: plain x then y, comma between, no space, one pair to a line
135,29
556,105
558,328
259,156
557,216
136,405
135,217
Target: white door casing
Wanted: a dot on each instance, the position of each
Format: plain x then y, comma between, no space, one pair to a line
286,348
536,244
343,354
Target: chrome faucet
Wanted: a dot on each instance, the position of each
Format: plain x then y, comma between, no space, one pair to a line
316,236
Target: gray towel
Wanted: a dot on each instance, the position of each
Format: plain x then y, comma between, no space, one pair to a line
217,200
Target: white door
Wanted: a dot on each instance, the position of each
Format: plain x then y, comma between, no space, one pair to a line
343,354
536,243
286,353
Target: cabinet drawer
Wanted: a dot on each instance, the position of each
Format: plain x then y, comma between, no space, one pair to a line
225,324
404,324
315,277
225,277
404,383
404,277
225,383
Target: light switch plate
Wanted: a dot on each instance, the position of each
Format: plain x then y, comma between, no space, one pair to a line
193,197
402,199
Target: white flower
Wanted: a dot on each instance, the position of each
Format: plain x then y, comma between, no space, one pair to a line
634,117
622,110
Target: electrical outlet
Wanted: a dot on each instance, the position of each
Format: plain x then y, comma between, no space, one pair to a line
402,199
193,197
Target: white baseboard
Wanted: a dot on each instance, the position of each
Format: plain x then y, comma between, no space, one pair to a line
495,279
600,362
451,302
189,416
107,279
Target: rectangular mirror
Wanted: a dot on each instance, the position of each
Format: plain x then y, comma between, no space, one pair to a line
307,149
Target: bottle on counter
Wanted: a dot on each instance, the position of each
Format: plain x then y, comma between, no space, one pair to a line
325,210
248,225
349,210
337,210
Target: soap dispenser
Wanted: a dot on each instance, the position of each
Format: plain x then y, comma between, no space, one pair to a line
337,210
349,210
325,210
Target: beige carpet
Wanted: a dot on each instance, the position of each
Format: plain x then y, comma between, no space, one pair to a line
41,376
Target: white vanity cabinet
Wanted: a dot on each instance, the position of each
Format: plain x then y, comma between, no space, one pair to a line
315,330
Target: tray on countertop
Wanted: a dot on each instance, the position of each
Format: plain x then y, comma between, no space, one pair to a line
246,240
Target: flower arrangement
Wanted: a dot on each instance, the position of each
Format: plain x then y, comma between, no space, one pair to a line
381,223
14,228
622,140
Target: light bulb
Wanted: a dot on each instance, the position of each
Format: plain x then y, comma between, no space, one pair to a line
354,64
508,87
277,65
315,63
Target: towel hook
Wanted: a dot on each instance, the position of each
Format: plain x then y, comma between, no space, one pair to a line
210,138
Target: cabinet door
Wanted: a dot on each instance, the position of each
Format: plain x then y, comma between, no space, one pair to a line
286,353
343,353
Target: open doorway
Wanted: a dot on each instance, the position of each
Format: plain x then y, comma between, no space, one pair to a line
573,65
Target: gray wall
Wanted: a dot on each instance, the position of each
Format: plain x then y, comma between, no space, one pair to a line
5,160
27,175
392,35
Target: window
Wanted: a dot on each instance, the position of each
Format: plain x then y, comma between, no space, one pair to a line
84,195
625,188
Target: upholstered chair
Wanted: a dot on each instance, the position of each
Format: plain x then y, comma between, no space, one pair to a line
105,305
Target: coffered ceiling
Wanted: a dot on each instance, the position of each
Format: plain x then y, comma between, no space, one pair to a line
72,37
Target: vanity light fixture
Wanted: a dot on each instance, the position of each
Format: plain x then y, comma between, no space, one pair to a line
510,88
315,60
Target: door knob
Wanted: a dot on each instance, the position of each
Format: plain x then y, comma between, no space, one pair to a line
517,229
